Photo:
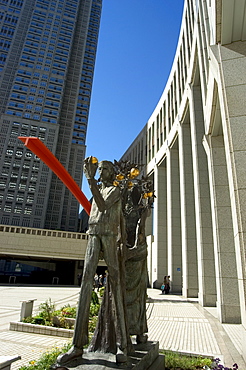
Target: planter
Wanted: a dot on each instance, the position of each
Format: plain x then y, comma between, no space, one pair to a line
40,329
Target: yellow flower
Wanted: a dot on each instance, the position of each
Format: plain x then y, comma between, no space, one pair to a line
32,362
134,173
120,176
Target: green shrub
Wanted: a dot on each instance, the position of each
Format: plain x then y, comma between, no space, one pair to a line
46,360
56,313
64,324
68,311
46,310
39,320
174,360
101,291
92,325
94,298
94,309
28,320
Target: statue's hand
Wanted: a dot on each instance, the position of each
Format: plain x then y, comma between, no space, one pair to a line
90,168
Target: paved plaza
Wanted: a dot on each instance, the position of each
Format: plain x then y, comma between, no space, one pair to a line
177,323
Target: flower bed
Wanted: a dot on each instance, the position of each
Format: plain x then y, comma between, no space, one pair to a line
40,329
62,318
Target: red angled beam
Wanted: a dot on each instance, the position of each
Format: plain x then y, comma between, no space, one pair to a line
38,148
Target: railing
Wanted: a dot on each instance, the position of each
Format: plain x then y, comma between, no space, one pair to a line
42,232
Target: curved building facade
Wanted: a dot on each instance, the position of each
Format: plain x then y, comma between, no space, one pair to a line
195,150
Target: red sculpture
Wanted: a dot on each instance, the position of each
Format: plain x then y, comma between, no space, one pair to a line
38,148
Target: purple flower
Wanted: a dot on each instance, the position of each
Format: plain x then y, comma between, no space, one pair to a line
218,366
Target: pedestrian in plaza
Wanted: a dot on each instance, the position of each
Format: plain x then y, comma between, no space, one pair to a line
167,284
163,285
79,277
100,282
95,285
105,280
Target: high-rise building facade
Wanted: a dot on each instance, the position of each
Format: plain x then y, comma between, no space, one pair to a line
47,57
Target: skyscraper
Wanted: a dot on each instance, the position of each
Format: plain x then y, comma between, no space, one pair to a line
47,57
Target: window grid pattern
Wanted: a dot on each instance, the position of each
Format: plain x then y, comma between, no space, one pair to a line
23,179
77,95
46,78
11,45
37,94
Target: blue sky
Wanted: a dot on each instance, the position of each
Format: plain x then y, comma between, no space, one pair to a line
137,44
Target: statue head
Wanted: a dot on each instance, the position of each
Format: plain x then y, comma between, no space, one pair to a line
106,171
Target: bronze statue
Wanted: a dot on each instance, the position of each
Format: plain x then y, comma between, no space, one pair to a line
136,210
104,236
137,199
120,206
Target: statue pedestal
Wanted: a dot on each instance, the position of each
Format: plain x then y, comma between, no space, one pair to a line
142,358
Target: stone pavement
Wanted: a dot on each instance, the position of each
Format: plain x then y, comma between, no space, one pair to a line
182,325
177,323
29,346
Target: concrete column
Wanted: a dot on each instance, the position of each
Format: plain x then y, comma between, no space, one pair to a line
232,61
174,221
188,225
225,258
160,225
205,250
150,246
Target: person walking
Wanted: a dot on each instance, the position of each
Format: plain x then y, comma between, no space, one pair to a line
163,285
95,285
167,284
